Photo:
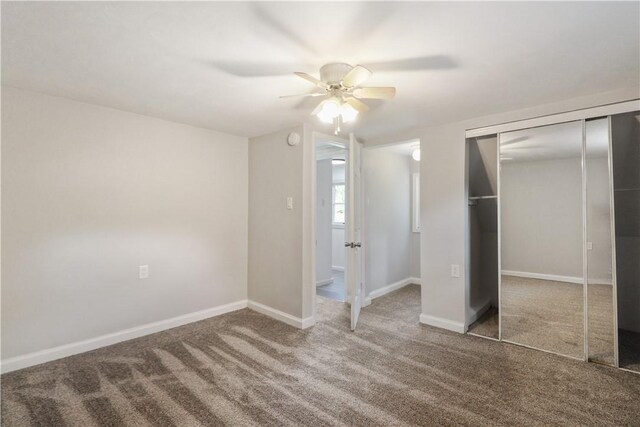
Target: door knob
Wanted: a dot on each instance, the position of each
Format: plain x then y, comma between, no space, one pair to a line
357,245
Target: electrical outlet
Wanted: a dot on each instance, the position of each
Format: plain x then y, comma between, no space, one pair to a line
455,270
143,272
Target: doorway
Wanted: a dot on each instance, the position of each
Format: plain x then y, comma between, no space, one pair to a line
344,209
391,176
331,156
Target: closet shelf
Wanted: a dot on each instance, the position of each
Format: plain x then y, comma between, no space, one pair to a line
626,189
482,197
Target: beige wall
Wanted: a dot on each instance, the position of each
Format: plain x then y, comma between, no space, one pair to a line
89,194
388,234
541,217
324,228
275,233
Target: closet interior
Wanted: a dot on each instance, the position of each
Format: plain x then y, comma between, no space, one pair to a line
553,256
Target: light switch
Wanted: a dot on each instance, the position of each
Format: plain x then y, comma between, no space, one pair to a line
589,246
455,270
289,202
143,272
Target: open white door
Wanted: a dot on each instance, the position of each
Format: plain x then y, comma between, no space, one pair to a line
353,231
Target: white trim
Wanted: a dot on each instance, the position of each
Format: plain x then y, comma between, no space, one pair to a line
337,268
282,316
585,236
324,282
499,208
47,355
335,224
415,202
569,116
541,276
612,215
390,288
439,322
557,278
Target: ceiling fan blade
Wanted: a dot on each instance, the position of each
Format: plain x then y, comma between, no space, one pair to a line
375,92
312,79
303,95
430,62
357,104
356,76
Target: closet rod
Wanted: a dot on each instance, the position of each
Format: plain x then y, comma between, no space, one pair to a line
482,197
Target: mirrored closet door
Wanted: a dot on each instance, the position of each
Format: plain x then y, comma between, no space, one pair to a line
541,238
625,142
600,326
554,221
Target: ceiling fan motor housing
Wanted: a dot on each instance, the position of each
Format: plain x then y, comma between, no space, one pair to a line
333,73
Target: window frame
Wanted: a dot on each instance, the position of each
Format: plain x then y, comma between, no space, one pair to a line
415,202
333,203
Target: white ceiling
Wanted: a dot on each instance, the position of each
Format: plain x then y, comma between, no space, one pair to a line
223,65
404,148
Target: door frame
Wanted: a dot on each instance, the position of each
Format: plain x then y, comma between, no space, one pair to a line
312,162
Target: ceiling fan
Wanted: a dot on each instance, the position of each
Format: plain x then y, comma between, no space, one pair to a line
340,84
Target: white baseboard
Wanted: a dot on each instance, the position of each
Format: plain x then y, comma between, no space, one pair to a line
282,316
390,288
476,314
337,268
439,322
554,277
324,282
42,356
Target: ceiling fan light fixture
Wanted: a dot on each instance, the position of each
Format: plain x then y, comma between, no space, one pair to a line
348,113
330,110
341,83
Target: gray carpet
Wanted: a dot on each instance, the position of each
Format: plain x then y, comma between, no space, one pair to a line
548,315
245,369
543,314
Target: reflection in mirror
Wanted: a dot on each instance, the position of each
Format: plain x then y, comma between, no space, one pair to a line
600,304
625,140
482,304
542,238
